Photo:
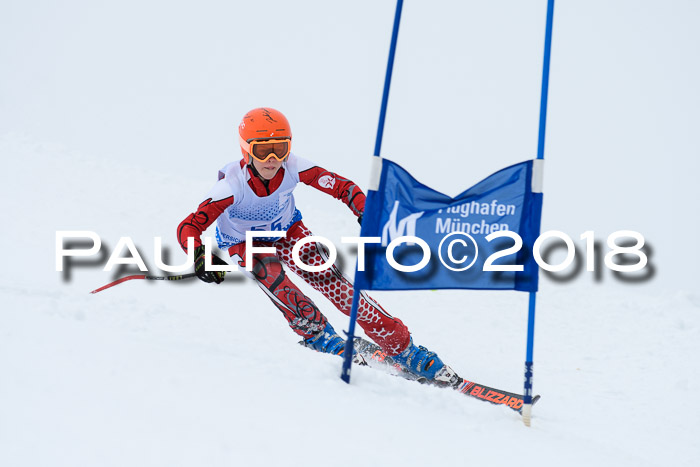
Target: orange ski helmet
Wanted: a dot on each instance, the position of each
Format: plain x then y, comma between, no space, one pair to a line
263,123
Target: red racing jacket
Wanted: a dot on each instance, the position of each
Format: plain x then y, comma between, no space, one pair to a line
240,200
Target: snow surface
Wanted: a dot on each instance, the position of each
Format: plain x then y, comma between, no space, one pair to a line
115,118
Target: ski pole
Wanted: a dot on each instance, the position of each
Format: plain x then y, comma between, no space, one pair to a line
143,276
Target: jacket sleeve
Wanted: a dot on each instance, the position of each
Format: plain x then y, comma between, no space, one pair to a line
333,184
218,199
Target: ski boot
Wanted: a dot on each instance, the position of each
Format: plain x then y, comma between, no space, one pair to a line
426,365
328,341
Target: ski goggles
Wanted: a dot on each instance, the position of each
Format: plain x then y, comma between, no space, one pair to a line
263,150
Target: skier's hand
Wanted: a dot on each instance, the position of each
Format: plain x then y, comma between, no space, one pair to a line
359,219
207,276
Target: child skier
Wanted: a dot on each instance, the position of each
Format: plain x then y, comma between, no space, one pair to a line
255,193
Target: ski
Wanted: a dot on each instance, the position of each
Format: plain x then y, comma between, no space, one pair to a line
376,358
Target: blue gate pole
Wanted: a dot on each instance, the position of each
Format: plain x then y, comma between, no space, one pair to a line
527,399
347,361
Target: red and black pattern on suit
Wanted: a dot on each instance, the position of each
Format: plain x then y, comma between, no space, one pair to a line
303,316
